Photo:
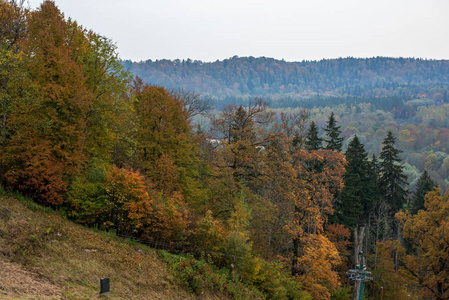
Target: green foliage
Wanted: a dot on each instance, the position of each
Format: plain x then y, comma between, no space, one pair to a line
199,275
357,197
272,279
342,293
258,279
313,141
393,181
333,141
236,249
209,234
72,126
267,76
424,185
86,200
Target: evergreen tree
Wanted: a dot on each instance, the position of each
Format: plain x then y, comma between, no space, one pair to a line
334,141
313,142
356,196
425,184
374,175
392,180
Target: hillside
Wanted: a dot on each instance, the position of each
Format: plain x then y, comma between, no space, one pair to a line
44,256
240,76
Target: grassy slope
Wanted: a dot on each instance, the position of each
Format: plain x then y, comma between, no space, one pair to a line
44,256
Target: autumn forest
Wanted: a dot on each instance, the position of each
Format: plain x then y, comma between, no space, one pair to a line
287,177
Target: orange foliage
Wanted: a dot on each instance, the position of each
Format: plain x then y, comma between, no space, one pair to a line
170,219
46,146
319,259
128,202
428,231
319,175
339,235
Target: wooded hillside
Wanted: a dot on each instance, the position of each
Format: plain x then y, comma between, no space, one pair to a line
361,77
278,196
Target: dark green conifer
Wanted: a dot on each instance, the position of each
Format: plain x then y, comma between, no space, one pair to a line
425,184
334,141
356,199
392,180
313,141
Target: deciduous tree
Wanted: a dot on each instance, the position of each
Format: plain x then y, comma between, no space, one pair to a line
48,140
428,231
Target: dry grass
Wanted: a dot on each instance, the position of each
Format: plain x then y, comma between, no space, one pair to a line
44,256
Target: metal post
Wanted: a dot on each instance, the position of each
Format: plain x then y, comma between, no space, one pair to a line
359,276
362,286
140,251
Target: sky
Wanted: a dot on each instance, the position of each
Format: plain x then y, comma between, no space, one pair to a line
293,30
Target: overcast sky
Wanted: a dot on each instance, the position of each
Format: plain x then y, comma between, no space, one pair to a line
293,30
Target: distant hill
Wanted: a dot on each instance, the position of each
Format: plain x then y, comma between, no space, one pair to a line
250,76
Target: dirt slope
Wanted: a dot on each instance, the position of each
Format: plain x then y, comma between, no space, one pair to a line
44,256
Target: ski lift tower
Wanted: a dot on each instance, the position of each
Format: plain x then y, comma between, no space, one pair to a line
359,274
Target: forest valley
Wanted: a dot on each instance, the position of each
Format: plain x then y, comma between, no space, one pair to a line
279,194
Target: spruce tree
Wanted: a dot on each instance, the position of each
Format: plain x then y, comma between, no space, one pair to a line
357,195
392,180
425,184
313,142
374,175
334,141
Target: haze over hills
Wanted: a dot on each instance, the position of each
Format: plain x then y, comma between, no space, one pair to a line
250,76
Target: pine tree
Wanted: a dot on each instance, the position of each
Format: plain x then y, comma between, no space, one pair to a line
425,184
356,196
392,180
334,141
313,142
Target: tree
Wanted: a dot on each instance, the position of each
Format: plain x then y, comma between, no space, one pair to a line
293,125
13,23
392,181
428,232
356,198
313,201
333,141
253,157
244,138
165,149
110,120
389,280
319,261
192,102
128,204
13,77
424,185
313,141
47,142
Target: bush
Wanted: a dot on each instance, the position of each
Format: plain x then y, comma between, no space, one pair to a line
200,275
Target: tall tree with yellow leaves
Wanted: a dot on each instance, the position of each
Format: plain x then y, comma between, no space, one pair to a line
428,231
319,176
48,138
